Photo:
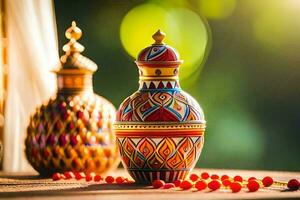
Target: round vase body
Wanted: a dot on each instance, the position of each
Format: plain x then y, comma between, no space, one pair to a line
159,128
72,133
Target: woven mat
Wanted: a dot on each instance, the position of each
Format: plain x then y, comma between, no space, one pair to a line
24,186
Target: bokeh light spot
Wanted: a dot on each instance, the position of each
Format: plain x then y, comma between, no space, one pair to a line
185,31
190,39
277,28
216,9
138,26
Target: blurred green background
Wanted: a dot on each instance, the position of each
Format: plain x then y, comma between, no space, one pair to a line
242,63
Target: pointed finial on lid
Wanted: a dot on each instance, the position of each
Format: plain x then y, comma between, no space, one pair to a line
73,59
159,36
73,34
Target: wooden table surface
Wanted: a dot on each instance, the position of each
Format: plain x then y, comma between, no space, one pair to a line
30,186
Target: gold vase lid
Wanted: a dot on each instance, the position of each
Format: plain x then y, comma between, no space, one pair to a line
73,60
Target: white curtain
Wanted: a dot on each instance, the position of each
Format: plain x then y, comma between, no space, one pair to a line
32,53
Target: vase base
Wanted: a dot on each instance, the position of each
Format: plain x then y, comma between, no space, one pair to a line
146,177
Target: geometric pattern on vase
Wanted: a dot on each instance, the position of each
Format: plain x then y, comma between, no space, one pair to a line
72,133
160,154
151,106
161,85
158,53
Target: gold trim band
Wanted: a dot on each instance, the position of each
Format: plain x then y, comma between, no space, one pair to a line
159,71
160,127
169,133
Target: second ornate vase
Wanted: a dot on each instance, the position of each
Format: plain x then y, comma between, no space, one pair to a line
73,130
159,128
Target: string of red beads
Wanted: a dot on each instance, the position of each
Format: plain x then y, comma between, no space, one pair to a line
214,182
199,182
89,177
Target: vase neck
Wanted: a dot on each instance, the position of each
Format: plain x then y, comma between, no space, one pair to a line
158,75
74,83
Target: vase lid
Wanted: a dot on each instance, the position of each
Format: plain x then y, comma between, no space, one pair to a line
158,53
73,59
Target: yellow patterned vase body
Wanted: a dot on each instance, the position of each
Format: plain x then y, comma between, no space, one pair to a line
73,131
159,128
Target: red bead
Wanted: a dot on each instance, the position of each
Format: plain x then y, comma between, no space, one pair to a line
88,177
194,177
158,184
293,184
69,175
177,182
204,175
214,184
56,176
62,176
169,185
224,177
251,178
186,185
214,176
267,181
253,186
109,179
201,185
238,178
79,175
120,180
235,187
97,178
226,182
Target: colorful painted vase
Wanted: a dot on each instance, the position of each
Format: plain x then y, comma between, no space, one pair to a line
159,128
73,131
